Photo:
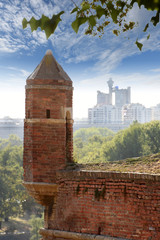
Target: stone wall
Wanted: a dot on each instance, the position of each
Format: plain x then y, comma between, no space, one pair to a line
120,205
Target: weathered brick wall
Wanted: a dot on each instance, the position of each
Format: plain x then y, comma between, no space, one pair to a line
54,97
48,136
115,204
44,150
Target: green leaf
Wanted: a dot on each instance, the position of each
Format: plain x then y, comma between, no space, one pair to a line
116,32
139,45
155,19
24,23
51,26
110,5
148,36
100,11
146,27
45,23
85,6
148,4
120,4
34,24
103,1
106,23
74,10
79,21
131,25
92,21
114,14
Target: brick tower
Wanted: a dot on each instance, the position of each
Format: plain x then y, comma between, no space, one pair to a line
47,127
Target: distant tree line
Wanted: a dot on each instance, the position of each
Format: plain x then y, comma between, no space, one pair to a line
14,200
96,145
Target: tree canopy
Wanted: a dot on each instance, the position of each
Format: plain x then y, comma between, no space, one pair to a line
97,15
36,223
14,199
94,146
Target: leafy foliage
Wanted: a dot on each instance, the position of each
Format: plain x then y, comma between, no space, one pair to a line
152,136
10,177
137,140
13,197
45,23
36,223
102,14
126,143
86,133
139,45
97,15
88,142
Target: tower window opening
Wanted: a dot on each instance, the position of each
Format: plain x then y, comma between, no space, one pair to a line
48,113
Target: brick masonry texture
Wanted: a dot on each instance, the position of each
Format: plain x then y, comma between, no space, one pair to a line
115,204
43,138
48,125
38,100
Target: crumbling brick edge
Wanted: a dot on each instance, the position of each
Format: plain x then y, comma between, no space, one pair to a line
93,175
57,234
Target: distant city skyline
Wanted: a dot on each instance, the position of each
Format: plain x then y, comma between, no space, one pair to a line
89,61
121,111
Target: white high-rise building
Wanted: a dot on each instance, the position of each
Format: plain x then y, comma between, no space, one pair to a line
105,98
136,112
122,96
104,114
156,112
148,114
123,112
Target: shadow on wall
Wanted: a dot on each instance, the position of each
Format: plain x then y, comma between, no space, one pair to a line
25,236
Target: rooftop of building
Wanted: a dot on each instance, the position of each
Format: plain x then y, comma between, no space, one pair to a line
49,68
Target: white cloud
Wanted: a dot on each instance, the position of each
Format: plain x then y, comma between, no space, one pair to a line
24,72
41,7
108,52
155,70
6,45
39,37
14,37
16,72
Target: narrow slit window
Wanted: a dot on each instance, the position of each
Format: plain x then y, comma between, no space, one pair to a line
48,113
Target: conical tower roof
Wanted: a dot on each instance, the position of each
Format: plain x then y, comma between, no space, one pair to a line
49,68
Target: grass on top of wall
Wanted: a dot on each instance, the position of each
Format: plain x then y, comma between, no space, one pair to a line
147,164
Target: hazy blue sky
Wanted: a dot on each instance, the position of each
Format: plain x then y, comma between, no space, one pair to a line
89,61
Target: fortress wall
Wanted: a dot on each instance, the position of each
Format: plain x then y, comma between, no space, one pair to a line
79,205
123,205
